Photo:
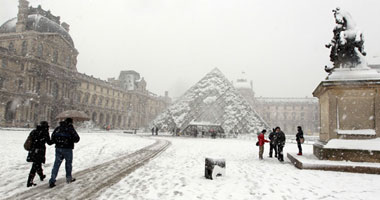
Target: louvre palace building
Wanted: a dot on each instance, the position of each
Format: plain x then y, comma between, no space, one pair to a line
39,78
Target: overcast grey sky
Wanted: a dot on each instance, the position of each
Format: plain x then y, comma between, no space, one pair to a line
174,43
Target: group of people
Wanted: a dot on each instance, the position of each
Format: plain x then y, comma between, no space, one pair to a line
155,130
64,137
277,143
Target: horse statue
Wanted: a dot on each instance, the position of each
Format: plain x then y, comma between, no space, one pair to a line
347,43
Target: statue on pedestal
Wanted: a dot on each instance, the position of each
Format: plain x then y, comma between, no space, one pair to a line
347,45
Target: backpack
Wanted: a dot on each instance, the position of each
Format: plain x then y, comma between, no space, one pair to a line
28,143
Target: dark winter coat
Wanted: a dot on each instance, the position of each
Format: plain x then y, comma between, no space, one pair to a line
64,136
40,136
281,138
273,137
299,135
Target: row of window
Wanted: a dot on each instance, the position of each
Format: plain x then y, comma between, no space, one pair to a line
99,101
40,53
285,107
94,87
285,116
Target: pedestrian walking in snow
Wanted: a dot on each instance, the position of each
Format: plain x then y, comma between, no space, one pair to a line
261,141
64,137
273,144
280,143
39,137
156,130
153,130
299,139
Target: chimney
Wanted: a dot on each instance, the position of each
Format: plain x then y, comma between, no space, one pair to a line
22,15
66,26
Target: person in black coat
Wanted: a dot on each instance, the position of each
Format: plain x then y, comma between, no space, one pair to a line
39,136
299,136
64,137
280,143
273,143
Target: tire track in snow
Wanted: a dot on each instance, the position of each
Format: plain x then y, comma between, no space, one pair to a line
92,181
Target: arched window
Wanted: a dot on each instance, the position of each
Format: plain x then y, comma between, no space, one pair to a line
79,97
4,63
68,61
10,111
24,48
11,47
93,100
101,118
40,51
2,80
107,102
94,116
55,90
55,57
86,97
100,102
119,121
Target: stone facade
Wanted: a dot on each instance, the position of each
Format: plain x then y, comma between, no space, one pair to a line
39,78
350,105
288,113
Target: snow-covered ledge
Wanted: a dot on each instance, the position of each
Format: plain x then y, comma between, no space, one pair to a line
367,144
343,74
356,132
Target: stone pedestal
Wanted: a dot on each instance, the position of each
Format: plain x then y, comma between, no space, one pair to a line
349,109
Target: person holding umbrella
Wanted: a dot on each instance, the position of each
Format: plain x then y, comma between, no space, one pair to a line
64,137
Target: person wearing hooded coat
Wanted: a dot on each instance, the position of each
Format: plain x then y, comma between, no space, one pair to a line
299,136
39,137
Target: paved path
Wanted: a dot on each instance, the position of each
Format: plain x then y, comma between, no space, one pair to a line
92,181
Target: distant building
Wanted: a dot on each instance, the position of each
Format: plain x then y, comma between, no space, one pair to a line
245,88
287,113
39,78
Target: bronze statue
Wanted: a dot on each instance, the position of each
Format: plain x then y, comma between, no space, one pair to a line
347,42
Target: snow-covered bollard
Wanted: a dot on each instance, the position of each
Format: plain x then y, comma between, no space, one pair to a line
214,168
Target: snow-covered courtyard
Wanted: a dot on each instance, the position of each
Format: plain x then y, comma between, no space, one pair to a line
178,172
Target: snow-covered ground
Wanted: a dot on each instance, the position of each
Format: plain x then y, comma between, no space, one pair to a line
178,173
92,149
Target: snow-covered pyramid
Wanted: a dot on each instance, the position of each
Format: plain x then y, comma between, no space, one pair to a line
213,100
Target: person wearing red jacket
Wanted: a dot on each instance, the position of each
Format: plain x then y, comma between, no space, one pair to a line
261,141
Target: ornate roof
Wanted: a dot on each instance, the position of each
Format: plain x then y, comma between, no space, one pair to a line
39,23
